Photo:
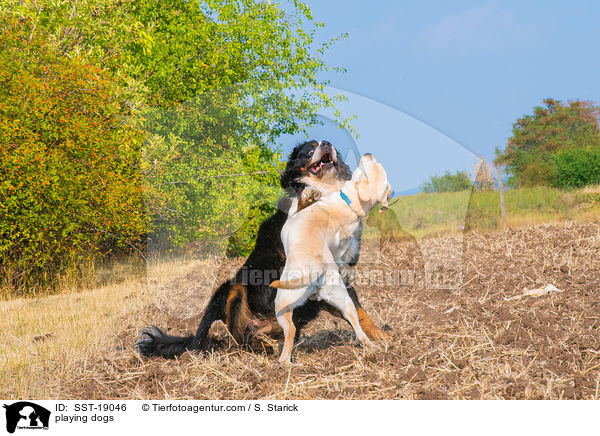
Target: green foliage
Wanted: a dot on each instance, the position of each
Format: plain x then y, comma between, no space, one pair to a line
577,168
199,188
70,184
176,50
448,182
530,155
242,240
126,119
209,160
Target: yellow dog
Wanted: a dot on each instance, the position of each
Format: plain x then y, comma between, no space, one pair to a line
317,239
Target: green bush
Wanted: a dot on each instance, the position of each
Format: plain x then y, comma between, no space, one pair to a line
577,168
70,186
448,182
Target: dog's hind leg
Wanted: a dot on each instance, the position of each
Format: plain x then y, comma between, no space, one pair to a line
285,302
237,313
284,317
335,293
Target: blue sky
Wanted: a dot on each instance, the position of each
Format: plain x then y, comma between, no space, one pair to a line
463,69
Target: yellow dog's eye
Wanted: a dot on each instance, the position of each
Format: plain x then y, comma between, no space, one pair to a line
311,152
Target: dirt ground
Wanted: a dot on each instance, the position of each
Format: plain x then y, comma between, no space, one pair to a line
468,335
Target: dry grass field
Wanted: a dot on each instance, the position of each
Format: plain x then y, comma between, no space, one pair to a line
476,338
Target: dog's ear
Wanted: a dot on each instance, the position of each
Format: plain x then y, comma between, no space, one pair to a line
362,189
289,178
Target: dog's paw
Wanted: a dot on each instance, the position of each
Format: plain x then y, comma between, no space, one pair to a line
374,333
309,195
382,335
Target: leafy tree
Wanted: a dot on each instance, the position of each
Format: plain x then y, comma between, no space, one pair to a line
214,81
172,51
447,182
116,111
530,155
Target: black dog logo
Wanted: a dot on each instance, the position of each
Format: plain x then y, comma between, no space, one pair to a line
26,415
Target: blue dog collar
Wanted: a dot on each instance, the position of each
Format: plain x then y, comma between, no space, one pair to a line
345,197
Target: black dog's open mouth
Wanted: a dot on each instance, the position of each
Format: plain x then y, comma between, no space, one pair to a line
325,162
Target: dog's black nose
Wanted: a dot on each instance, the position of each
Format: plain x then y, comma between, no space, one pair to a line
326,145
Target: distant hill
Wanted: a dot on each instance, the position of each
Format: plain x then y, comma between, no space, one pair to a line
412,191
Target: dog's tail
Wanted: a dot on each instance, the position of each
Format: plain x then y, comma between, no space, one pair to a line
314,274
300,282
155,342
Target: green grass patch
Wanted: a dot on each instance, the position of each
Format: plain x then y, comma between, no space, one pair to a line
426,214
